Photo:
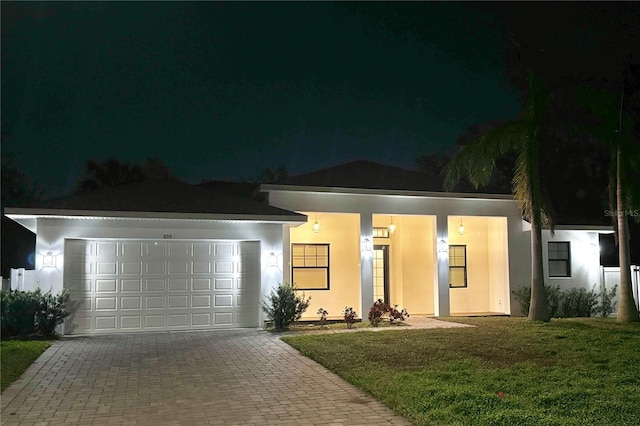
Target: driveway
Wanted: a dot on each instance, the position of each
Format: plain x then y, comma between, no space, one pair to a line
238,377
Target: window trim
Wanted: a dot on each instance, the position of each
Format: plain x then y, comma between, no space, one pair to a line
327,268
382,232
464,268
567,260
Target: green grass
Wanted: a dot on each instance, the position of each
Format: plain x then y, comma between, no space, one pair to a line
16,356
566,372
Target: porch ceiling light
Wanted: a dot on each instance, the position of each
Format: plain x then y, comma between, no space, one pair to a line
461,228
392,227
49,260
316,226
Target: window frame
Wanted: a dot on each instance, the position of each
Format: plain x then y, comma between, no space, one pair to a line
380,232
326,268
567,261
464,267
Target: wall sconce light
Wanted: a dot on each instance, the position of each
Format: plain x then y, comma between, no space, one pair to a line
367,245
392,227
49,260
443,247
316,226
273,260
461,228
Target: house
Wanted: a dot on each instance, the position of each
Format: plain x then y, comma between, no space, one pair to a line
167,255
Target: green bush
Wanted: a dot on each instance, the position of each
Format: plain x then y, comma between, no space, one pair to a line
29,313
576,302
283,306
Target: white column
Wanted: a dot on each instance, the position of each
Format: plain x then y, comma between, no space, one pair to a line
366,265
442,307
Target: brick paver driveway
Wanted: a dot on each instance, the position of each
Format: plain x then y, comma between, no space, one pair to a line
237,377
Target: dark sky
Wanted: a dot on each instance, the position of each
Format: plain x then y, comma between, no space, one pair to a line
224,90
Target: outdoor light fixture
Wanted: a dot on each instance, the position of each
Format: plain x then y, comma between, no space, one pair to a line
443,247
316,226
49,260
367,245
461,228
392,227
273,260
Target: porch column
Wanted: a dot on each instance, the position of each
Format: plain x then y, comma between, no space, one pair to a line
286,254
442,307
366,265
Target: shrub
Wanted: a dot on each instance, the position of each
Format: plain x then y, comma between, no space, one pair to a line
376,312
380,309
283,306
323,316
350,316
27,313
607,301
579,302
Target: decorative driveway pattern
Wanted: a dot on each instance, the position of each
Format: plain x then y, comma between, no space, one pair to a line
234,377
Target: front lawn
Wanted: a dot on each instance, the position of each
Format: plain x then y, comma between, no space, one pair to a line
506,371
16,356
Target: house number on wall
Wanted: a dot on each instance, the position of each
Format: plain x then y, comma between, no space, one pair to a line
167,236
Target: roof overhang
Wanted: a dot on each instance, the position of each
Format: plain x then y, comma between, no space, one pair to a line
600,229
383,192
28,217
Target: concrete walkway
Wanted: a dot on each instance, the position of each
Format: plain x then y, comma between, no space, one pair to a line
239,377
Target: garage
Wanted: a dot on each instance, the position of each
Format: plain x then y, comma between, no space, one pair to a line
143,285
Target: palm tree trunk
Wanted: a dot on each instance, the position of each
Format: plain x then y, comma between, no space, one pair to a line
627,312
538,311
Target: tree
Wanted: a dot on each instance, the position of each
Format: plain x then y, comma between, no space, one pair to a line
279,175
114,172
478,160
616,131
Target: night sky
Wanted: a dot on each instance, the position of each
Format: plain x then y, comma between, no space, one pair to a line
224,90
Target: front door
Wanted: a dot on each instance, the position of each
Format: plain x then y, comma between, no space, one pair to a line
381,273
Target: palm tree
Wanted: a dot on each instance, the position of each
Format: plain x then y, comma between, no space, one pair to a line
616,132
478,159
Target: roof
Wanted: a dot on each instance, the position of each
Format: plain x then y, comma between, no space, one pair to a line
158,199
368,175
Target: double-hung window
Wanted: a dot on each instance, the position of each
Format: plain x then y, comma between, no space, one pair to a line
457,266
310,266
559,259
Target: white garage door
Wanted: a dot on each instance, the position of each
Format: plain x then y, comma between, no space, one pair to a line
127,285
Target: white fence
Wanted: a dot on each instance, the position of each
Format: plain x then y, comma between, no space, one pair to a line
610,276
23,279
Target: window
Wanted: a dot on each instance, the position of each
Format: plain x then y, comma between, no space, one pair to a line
310,266
380,233
458,266
559,259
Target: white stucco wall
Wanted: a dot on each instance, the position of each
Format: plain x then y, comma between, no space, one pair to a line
51,234
441,207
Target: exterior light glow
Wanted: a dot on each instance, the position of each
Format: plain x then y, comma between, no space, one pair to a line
392,227
316,226
443,247
367,245
461,228
273,260
49,260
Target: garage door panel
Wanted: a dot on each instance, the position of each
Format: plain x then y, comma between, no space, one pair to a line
144,285
178,302
178,284
201,284
106,304
131,322
131,303
179,267
223,301
106,286
156,284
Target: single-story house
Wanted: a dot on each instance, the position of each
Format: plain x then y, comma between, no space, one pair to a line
164,255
